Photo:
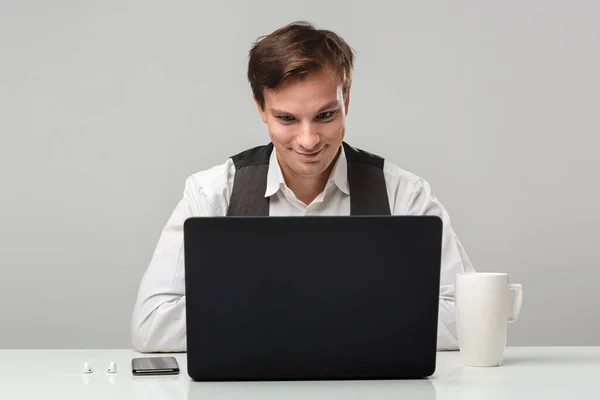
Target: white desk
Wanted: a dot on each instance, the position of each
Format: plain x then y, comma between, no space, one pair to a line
531,372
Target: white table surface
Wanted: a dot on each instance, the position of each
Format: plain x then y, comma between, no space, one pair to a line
526,372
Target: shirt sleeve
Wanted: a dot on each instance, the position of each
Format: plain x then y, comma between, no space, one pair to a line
417,199
158,320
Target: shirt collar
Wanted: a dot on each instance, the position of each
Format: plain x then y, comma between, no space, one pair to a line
339,174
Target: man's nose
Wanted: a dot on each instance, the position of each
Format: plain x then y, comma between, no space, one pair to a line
308,137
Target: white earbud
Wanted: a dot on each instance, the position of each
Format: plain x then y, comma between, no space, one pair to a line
112,368
87,369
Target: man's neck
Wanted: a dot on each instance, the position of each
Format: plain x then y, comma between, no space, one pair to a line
307,188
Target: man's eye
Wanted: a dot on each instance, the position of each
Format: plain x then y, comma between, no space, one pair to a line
286,118
325,115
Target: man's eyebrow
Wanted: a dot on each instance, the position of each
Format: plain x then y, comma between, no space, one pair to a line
275,111
331,104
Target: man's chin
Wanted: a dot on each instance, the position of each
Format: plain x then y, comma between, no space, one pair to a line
309,170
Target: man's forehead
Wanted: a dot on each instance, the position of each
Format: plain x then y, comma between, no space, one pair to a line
308,98
308,106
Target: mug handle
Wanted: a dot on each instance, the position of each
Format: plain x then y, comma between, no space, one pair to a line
518,289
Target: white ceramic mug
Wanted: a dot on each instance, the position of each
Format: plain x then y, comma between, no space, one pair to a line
483,313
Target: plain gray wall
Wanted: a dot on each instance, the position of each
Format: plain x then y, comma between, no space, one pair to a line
107,106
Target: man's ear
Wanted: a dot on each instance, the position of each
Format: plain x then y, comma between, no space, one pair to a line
263,114
347,102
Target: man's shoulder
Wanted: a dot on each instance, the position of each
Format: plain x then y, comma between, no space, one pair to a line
403,185
218,175
215,175
208,190
394,172
253,156
397,179
212,186
391,170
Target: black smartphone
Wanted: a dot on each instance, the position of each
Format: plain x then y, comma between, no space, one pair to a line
154,366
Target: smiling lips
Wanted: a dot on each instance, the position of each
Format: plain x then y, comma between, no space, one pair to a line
310,155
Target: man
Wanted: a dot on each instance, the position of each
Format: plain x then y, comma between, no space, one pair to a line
300,78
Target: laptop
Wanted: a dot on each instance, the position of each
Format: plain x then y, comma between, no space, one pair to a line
312,298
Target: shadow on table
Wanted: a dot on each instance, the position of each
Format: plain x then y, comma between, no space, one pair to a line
313,390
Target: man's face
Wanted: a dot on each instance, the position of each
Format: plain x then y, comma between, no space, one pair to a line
306,121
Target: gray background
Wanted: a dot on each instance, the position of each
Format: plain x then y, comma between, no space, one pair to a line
107,106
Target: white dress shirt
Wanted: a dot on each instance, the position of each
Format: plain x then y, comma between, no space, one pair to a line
158,322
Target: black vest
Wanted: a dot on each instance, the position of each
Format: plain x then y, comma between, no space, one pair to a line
368,191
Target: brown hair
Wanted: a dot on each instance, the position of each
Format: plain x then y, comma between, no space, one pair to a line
293,51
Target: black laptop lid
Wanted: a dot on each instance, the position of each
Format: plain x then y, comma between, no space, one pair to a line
280,298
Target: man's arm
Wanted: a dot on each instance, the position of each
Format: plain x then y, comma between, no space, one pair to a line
158,321
418,200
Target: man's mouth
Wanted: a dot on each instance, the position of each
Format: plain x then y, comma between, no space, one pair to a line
310,155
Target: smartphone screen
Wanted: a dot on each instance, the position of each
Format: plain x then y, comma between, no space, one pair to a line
154,366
